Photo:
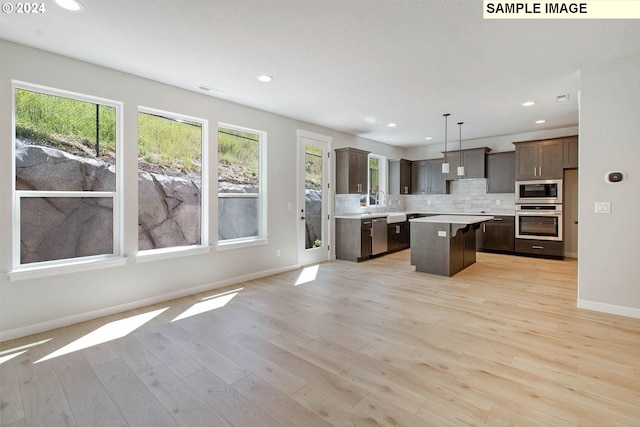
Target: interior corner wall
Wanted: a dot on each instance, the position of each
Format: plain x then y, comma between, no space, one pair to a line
608,267
30,306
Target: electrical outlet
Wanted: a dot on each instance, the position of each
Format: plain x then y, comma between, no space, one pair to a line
442,234
497,201
278,252
290,205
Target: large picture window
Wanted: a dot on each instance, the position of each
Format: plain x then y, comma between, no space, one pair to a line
377,180
241,184
67,188
171,212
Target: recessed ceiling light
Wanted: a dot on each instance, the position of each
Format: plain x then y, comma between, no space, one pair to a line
539,122
392,125
428,138
528,103
73,5
265,78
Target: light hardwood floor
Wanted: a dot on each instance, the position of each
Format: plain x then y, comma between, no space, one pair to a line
371,344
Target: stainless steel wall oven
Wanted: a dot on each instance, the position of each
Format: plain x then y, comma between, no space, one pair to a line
539,221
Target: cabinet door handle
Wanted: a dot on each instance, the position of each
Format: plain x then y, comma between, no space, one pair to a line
537,247
484,228
540,171
535,171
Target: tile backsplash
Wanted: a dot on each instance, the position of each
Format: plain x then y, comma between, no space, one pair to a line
467,196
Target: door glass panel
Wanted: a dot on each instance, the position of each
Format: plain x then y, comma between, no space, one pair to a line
313,196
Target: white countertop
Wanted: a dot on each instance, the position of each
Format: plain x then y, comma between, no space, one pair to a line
384,214
454,219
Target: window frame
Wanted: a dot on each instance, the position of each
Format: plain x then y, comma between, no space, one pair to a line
382,179
44,268
262,237
203,247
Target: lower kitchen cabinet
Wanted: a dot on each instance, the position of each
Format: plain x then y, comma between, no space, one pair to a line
353,239
497,235
397,236
545,248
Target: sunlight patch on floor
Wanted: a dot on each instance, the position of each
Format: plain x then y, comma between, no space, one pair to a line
308,274
209,303
109,332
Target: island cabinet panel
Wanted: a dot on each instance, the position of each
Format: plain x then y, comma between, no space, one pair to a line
497,235
399,177
571,152
501,172
442,248
353,239
539,159
427,177
397,236
352,167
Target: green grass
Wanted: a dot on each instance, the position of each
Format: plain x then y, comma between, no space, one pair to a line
164,145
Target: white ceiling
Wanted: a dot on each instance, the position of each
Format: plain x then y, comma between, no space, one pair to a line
349,65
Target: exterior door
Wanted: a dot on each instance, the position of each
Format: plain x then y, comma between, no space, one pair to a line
313,198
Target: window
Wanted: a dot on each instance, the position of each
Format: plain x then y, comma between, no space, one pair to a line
67,186
241,184
377,180
171,188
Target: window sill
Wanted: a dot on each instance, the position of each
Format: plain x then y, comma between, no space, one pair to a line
168,253
34,272
242,243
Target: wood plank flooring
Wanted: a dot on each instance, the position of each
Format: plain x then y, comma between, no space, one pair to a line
371,344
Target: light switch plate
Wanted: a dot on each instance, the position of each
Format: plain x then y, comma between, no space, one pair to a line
442,234
603,207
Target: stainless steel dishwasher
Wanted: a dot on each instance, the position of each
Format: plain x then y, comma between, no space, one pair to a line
379,236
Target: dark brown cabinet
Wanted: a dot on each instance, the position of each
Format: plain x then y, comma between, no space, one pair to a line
472,159
399,177
539,159
353,239
497,235
397,236
427,177
541,248
570,152
501,172
352,166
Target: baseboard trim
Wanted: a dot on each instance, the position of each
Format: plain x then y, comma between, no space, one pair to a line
609,308
107,311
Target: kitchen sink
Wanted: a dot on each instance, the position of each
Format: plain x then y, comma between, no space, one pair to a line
396,217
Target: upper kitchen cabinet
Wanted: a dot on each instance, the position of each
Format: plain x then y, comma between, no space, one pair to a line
472,159
539,159
501,172
571,152
427,177
399,177
352,166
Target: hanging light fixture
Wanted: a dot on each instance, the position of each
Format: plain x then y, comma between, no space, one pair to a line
461,167
445,165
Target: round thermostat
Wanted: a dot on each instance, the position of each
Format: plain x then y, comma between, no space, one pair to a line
612,177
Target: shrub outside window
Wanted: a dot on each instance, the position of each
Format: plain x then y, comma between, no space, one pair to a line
66,188
171,189
241,184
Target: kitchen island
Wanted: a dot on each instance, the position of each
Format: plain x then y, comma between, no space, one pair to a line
444,244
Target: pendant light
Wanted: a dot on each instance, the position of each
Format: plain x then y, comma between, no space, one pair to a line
461,167
445,165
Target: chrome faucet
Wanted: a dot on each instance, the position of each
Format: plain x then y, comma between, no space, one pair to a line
377,199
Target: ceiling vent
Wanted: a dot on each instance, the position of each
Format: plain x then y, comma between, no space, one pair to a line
562,98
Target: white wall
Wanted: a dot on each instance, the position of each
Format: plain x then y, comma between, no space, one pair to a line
608,267
34,305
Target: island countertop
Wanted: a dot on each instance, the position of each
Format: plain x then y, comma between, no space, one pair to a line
454,219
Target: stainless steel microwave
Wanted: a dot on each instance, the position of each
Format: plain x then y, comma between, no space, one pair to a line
541,191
